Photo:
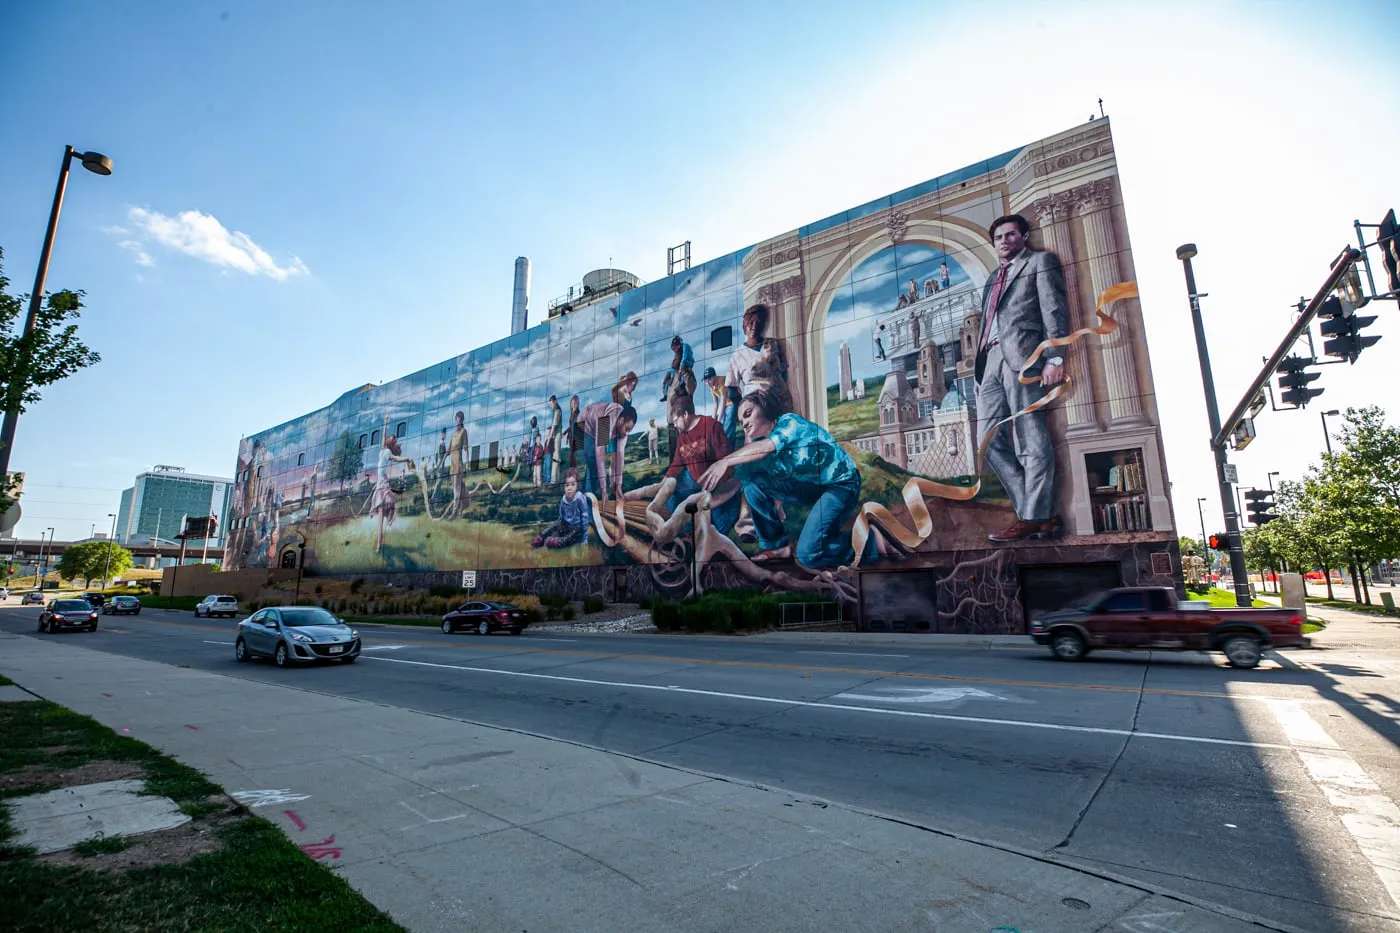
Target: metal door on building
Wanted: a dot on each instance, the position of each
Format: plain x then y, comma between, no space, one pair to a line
1047,587
899,600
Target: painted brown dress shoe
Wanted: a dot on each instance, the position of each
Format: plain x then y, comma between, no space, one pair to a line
1050,528
1019,531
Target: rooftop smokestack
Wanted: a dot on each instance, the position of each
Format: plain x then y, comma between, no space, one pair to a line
520,303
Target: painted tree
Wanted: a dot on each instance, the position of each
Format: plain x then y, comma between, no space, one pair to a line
345,460
1189,546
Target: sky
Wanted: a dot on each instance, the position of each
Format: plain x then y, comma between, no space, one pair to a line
309,197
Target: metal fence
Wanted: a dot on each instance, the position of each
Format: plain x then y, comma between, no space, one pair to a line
810,615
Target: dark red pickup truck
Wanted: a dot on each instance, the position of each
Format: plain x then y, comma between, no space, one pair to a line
1151,618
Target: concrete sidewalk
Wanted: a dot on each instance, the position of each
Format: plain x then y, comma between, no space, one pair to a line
452,826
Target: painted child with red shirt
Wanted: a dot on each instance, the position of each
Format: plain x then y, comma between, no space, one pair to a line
700,444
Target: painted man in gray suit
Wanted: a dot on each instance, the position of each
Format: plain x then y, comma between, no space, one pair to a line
1023,303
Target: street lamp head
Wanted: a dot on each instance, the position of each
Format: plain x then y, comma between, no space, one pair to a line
1186,251
1332,412
96,162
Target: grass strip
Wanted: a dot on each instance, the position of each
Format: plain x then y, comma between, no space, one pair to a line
257,880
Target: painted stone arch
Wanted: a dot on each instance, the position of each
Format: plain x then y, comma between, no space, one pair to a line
963,242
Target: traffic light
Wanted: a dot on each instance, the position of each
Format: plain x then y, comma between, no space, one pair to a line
1260,507
1343,325
1389,238
1219,542
1295,379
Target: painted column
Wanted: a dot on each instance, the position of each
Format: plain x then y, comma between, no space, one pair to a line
1120,367
1053,213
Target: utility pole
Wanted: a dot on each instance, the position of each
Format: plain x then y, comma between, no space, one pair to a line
1240,576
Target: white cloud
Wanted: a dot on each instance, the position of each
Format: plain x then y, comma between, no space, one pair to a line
202,236
143,258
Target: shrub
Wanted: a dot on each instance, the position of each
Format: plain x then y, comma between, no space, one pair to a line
566,613
554,600
592,603
444,589
666,615
697,615
644,602
356,584
319,588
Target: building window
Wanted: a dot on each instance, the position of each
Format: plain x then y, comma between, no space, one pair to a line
721,337
301,458
401,429
260,468
364,441
374,439
476,457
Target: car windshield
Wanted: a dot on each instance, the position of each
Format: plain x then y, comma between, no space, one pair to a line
498,605
123,599
224,599
297,618
70,605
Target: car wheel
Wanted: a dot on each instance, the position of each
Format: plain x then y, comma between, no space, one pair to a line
350,660
240,651
484,628
92,627
136,612
196,612
1242,651
516,630
281,658
447,628
1068,646
43,626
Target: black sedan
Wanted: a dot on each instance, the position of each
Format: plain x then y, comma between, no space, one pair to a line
67,614
483,618
122,605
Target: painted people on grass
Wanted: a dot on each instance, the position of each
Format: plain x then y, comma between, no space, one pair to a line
572,525
602,423
384,500
456,465
788,459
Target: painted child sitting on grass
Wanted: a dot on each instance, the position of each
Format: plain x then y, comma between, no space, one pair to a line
572,526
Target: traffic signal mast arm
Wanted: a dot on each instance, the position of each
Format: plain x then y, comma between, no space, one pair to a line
1340,266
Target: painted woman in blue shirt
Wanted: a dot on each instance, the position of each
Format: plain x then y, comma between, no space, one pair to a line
788,459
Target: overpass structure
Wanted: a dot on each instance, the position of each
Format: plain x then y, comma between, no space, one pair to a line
27,550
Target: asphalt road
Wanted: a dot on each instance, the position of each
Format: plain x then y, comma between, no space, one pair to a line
1264,790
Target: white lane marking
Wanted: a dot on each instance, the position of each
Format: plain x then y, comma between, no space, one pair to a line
856,654
382,647
878,710
918,695
1301,728
1365,811
225,643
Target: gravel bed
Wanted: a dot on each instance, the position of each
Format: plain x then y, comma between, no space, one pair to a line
632,623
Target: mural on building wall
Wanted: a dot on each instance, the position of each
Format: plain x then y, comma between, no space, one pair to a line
947,374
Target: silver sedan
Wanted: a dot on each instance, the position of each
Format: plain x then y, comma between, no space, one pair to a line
296,635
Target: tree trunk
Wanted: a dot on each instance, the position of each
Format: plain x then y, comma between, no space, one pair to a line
1355,584
1326,575
1365,590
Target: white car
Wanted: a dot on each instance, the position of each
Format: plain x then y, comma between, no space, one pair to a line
214,606
4,592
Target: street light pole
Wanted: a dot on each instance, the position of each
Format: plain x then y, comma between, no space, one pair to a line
43,569
98,164
1205,540
1325,436
1185,253
301,563
107,562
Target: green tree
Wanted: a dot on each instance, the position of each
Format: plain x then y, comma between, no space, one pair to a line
345,461
51,352
1354,496
1190,547
94,559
